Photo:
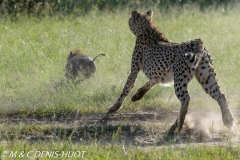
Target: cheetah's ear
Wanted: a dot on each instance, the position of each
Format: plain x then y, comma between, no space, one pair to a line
70,53
134,13
150,13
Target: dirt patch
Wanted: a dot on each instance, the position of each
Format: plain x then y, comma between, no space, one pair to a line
140,129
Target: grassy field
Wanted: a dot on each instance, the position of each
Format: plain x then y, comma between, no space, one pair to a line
32,67
34,55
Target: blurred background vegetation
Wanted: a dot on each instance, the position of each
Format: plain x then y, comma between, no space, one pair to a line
40,8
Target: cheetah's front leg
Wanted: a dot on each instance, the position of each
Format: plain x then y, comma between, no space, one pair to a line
135,68
127,88
142,91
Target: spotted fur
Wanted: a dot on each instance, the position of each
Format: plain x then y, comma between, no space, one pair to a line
163,61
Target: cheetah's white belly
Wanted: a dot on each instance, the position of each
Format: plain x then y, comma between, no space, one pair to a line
168,79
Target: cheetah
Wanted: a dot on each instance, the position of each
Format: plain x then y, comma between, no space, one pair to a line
163,62
80,65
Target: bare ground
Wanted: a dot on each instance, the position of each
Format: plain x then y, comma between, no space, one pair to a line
143,128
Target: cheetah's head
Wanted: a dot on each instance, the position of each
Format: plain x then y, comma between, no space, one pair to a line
139,21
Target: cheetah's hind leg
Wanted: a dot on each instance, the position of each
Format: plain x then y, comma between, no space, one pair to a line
182,76
177,126
207,78
226,113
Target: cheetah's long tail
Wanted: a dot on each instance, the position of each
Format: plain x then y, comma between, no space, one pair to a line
195,58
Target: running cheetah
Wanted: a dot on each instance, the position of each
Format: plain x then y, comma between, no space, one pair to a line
163,61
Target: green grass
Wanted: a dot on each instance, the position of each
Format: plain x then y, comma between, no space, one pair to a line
34,54
57,141
33,57
96,151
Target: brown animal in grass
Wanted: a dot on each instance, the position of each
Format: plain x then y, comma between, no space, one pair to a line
80,65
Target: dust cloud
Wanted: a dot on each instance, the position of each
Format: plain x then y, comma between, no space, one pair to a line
208,126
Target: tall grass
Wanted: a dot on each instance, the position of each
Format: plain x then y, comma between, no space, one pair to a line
34,53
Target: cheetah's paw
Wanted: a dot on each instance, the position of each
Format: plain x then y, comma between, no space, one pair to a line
114,108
